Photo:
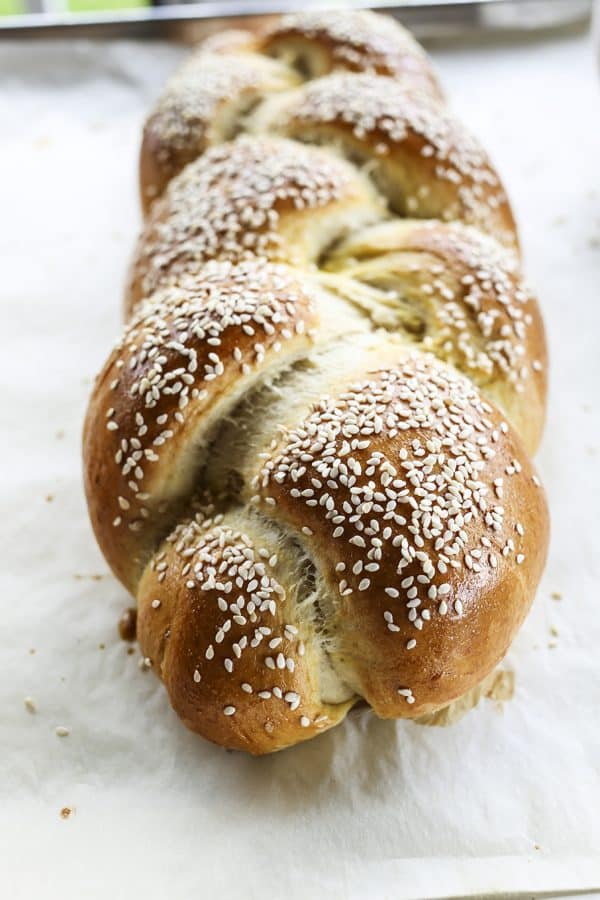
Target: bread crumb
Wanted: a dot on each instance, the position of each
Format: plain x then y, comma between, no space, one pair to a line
101,646
127,624
553,631
552,645
65,812
30,704
502,686
49,498
556,595
62,731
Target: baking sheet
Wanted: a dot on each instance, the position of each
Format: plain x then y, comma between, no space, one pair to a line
506,800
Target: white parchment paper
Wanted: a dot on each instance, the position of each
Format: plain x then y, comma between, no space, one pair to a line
509,798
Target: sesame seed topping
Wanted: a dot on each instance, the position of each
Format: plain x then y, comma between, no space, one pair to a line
228,204
181,122
166,342
361,41
445,152
439,483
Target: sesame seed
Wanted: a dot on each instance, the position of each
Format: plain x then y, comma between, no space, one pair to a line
407,694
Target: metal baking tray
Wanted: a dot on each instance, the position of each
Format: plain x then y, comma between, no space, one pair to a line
189,22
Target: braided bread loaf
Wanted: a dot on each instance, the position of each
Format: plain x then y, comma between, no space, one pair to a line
307,456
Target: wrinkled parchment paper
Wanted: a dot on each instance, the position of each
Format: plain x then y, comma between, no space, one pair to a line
506,800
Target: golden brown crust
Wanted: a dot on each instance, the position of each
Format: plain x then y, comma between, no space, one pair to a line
470,304
200,107
420,155
443,600
322,42
222,630
206,101
420,509
255,196
307,456
181,361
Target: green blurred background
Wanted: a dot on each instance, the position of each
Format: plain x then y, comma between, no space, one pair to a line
14,7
